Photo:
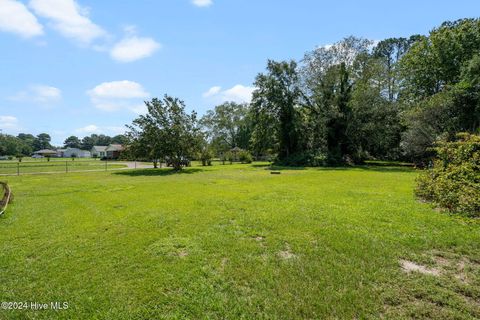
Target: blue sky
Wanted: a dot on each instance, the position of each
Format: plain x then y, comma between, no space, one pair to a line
82,66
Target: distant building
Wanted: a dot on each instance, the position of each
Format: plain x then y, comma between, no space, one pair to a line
60,152
99,151
114,151
45,153
77,153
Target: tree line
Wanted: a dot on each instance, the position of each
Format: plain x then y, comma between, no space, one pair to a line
343,103
24,144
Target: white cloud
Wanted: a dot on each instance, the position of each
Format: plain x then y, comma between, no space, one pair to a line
238,93
46,93
119,89
68,18
8,122
133,48
16,18
92,128
212,91
202,3
38,93
118,95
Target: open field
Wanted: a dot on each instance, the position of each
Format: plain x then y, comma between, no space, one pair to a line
234,241
57,165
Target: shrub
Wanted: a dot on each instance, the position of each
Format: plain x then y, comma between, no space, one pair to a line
229,156
206,156
304,159
245,157
453,179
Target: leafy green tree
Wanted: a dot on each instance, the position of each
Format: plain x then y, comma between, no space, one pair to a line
436,61
228,125
72,142
389,52
119,139
274,105
9,145
89,141
42,141
165,132
27,143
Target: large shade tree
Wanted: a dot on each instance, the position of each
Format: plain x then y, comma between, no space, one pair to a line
166,132
275,104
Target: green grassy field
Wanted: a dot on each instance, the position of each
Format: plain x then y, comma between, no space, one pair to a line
235,242
55,165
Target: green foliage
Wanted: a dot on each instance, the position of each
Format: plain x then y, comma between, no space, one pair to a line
245,157
101,140
72,142
228,156
206,156
275,105
229,125
42,141
165,132
453,182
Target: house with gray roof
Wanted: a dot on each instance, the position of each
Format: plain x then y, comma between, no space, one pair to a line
99,151
114,151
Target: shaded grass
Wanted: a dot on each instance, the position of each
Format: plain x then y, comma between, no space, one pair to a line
231,242
157,172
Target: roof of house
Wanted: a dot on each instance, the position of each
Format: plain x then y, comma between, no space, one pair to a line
115,147
45,151
100,148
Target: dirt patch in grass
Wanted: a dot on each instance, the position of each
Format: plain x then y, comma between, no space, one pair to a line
435,285
409,266
287,254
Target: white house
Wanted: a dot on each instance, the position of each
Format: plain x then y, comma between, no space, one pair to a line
99,151
77,153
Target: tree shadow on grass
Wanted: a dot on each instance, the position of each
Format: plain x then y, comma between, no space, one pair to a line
373,168
276,168
156,172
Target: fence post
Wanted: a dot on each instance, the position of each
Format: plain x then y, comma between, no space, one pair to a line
66,166
106,161
18,168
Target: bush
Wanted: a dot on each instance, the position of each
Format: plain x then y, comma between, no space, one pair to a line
206,156
302,159
229,156
453,180
245,157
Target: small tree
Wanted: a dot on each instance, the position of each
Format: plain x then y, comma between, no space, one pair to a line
245,157
206,156
229,156
165,132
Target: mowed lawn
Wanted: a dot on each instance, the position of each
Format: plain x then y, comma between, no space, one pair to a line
235,242
43,166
